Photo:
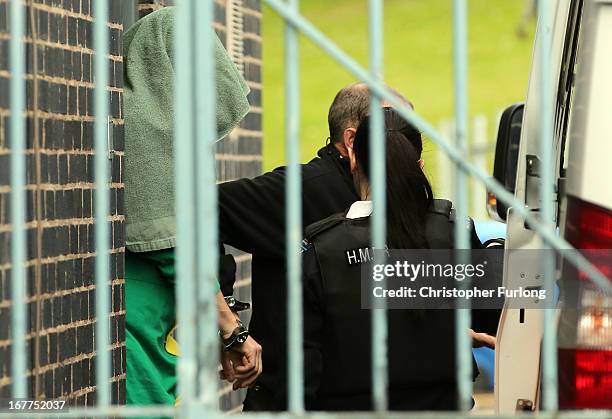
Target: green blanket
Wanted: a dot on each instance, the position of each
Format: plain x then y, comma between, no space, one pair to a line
148,112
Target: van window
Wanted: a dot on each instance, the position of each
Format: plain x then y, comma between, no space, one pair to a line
565,94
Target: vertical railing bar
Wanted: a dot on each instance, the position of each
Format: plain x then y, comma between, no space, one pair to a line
293,187
463,345
102,202
206,205
18,200
379,198
480,149
549,362
184,170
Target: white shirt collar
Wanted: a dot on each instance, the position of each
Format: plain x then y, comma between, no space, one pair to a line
359,209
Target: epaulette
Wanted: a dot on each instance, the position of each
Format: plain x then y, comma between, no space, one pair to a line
323,225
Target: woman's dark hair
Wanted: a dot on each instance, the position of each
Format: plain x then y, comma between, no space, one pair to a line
409,193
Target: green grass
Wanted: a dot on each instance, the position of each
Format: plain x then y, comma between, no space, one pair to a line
418,62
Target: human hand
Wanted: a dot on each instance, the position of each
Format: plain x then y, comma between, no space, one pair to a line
242,364
482,339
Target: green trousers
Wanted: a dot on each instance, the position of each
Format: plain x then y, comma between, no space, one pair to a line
150,317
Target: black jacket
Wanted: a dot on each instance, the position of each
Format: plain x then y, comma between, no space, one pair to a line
252,219
337,332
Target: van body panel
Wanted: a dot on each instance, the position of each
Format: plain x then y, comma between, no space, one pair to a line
589,174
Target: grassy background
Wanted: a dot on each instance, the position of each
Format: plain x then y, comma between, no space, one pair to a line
418,62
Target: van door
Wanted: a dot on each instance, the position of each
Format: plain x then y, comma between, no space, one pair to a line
517,361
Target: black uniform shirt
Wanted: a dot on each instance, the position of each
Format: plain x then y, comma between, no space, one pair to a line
252,219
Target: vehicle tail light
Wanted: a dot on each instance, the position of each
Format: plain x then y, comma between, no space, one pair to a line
585,330
586,379
588,226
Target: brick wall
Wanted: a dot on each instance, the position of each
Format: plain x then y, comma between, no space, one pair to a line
60,280
147,6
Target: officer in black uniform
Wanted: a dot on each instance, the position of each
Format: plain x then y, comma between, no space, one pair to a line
252,219
421,353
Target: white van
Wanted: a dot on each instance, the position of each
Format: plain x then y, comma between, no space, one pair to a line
581,71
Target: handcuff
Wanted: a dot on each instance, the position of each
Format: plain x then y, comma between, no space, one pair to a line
238,337
236,305
239,334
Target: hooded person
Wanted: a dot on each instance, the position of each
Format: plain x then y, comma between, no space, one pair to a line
151,349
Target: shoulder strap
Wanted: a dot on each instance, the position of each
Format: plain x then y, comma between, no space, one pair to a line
323,225
438,224
440,229
442,207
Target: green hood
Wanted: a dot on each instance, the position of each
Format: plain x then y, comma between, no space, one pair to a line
149,125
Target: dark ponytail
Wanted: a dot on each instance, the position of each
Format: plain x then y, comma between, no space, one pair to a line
409,193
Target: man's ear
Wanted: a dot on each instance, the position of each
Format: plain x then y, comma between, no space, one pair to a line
421,163
348,137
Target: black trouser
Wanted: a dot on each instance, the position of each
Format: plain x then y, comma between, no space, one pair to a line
259,398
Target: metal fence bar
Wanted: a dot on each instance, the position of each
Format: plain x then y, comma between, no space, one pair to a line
294,232
327,45
206,204
463,318
18,201
379,198
102,202
546,147
166,411
185,185
480,147
445,169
